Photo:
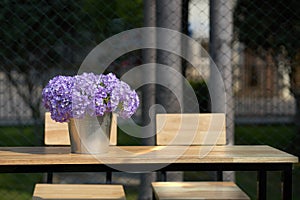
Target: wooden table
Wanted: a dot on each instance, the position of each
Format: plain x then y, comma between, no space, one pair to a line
155,158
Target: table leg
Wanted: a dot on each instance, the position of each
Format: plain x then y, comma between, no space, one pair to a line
219,175
262,185
108,177
287,179
49,177
163,175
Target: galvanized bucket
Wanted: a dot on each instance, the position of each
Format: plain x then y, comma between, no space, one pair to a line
90,135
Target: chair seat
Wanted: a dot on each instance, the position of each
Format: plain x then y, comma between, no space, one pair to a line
78,191
197,190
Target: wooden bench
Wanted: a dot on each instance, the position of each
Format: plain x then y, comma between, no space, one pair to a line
78,191
202,190
193,129
57,134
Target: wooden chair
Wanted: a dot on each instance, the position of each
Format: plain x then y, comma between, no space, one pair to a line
56,134
193,129
78,191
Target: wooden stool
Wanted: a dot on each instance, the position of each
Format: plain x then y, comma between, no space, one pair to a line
198,190
78,191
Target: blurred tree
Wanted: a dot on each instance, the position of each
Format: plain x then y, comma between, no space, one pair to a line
110,17
34,38
271,30
40,38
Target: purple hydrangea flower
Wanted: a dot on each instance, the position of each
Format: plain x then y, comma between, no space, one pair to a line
88,94
84,90
57,98
128,100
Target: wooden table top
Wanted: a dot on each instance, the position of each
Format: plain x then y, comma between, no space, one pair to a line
146,155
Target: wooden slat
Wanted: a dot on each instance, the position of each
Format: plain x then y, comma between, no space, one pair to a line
145,155
113,130
190,129
198,190
57,133
78,191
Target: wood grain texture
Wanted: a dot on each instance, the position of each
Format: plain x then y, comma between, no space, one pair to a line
78,191
198,190
145,155
190,129
57,133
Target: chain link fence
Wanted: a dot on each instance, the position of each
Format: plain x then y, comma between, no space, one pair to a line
254,43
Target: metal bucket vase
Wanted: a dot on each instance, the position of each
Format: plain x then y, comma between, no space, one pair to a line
90,135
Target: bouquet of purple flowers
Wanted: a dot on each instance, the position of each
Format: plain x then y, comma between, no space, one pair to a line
88,94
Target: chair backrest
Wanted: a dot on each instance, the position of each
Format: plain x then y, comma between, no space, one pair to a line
191,129
58,134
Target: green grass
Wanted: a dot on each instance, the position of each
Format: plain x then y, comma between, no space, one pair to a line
131,192
18,186
125,139
18,136
278,136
